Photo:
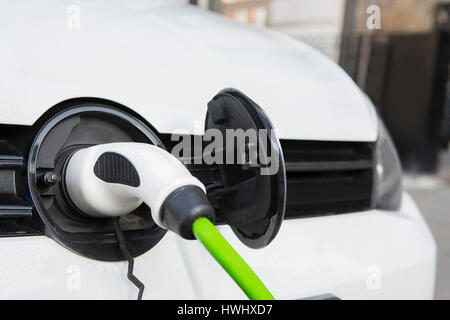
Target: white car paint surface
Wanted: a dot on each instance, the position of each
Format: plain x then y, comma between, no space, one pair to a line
165,60
366,255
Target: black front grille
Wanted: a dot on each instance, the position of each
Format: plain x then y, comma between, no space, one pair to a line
16,208
327,177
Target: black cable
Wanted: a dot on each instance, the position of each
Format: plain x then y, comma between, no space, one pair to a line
123,247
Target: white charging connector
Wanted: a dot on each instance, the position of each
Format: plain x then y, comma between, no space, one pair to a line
111,180
114,179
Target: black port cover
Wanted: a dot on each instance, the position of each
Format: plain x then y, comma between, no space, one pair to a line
253,198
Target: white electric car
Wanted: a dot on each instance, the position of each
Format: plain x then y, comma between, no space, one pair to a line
80,73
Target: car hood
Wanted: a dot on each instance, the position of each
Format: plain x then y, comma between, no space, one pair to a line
166,60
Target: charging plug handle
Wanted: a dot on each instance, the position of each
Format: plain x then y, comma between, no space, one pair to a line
112,180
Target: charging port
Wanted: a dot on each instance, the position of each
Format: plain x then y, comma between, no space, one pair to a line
79,126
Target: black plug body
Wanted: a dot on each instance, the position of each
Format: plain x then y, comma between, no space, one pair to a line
182,207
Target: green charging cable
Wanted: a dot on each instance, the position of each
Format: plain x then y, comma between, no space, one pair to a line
230,260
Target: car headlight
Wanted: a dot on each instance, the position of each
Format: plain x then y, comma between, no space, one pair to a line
388,172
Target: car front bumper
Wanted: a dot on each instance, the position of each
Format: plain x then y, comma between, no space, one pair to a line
366,255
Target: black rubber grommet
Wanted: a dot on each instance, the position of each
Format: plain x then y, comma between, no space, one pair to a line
182,207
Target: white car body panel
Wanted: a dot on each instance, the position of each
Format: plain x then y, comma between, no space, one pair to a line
366,255
165,61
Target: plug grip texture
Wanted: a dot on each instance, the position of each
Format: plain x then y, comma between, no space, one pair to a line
113,167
